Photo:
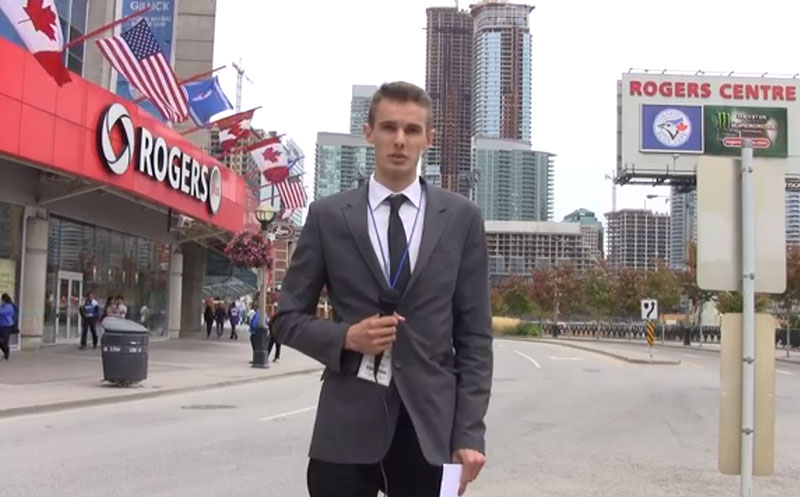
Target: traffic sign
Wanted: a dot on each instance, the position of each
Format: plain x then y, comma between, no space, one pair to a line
651,333
649,309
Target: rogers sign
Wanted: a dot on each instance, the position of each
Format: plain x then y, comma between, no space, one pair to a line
705,90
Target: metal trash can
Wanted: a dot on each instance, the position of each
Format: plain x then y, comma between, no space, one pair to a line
124,351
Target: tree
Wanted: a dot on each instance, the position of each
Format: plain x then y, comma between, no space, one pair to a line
557,290
731,302
627,289
664,286
597,298
688,282
499,307
514,295
791,297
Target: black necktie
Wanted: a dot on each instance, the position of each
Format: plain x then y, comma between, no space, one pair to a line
397,244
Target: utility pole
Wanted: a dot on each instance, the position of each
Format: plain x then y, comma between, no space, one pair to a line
239,77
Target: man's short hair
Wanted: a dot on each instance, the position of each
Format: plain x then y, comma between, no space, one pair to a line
401,91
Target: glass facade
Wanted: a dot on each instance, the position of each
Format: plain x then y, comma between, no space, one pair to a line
83,258
342,167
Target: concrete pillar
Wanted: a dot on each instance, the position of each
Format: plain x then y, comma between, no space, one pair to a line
33,283
175,301
194,271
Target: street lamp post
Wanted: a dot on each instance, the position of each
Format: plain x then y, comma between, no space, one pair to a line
265,215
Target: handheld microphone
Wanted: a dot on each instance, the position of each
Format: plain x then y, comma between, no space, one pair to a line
388,301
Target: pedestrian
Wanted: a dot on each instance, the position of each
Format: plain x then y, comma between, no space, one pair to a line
255,325
233,315
221,316
208,316
119,309
276,344
89,311
408,359
8,324
108,308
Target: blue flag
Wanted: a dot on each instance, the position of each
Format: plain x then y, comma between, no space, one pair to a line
206,99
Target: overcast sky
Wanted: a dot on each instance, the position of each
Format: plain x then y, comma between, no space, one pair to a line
303,56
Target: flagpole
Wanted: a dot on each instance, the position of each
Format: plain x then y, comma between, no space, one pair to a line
99,30
198,128
189,80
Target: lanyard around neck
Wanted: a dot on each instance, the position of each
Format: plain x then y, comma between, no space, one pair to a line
392,281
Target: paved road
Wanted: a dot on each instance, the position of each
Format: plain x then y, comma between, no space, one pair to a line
563,422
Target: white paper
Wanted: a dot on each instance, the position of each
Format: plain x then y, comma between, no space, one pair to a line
451,478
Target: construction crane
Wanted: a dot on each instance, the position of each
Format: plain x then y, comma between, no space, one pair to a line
239,77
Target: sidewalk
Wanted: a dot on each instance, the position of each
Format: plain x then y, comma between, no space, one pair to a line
62,376
780,354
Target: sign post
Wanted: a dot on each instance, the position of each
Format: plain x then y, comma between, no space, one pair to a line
649,316
748,315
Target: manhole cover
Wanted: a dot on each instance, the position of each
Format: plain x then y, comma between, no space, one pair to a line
208,406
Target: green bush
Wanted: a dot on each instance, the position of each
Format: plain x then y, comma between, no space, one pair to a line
525,330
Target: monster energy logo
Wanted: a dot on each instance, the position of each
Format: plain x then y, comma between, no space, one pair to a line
724,121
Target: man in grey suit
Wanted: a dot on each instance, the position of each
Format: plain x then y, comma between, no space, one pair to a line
408,354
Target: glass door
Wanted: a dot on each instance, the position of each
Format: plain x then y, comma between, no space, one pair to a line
69,291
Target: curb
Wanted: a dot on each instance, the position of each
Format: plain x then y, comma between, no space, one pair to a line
74,404
674,346
621,357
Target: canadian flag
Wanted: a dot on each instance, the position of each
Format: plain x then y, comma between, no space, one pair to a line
36,22
234,128
271,158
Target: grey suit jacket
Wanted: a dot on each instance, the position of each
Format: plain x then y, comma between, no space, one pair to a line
442,359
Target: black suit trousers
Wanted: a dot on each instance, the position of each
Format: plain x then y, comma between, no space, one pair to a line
405,468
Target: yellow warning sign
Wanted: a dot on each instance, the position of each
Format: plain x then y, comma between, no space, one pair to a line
651,333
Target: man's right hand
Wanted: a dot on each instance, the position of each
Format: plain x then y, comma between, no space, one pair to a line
373,335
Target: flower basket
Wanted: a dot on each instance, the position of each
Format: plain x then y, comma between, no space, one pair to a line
249,250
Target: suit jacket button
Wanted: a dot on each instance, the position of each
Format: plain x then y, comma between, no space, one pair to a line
398,365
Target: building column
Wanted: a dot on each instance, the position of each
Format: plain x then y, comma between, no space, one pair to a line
194,270
34,280
175,293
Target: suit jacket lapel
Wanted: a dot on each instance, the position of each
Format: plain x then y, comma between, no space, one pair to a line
355,212
436,217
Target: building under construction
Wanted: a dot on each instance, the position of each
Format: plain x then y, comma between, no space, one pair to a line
448,81
638,239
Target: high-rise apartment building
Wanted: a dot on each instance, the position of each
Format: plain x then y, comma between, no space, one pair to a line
683,226
359,107
448,81
514,183
637,239
342,162
516,248
592,230
501,70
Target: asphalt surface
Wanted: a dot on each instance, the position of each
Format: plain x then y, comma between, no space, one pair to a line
562,422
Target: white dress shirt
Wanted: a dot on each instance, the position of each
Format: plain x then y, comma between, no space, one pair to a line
378,201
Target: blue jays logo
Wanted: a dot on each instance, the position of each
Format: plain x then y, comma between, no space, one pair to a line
672,127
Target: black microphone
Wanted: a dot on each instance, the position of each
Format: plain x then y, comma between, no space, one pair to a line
388,301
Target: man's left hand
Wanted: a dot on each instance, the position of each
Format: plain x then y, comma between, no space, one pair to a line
471,462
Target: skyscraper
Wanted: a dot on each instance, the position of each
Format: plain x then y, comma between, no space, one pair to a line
514,183
359,107
342,162
448,81
592,230
501,70
683,228
792,217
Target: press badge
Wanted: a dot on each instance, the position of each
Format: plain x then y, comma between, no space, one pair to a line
366,371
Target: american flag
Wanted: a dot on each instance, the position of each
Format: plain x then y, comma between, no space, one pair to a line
137,55
292,192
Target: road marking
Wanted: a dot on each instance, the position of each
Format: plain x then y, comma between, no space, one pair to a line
787,373
290,413
566,358
692,364
526,356
501,345
691,355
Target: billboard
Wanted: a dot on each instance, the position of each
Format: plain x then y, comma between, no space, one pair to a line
161,18
727,126
667,121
